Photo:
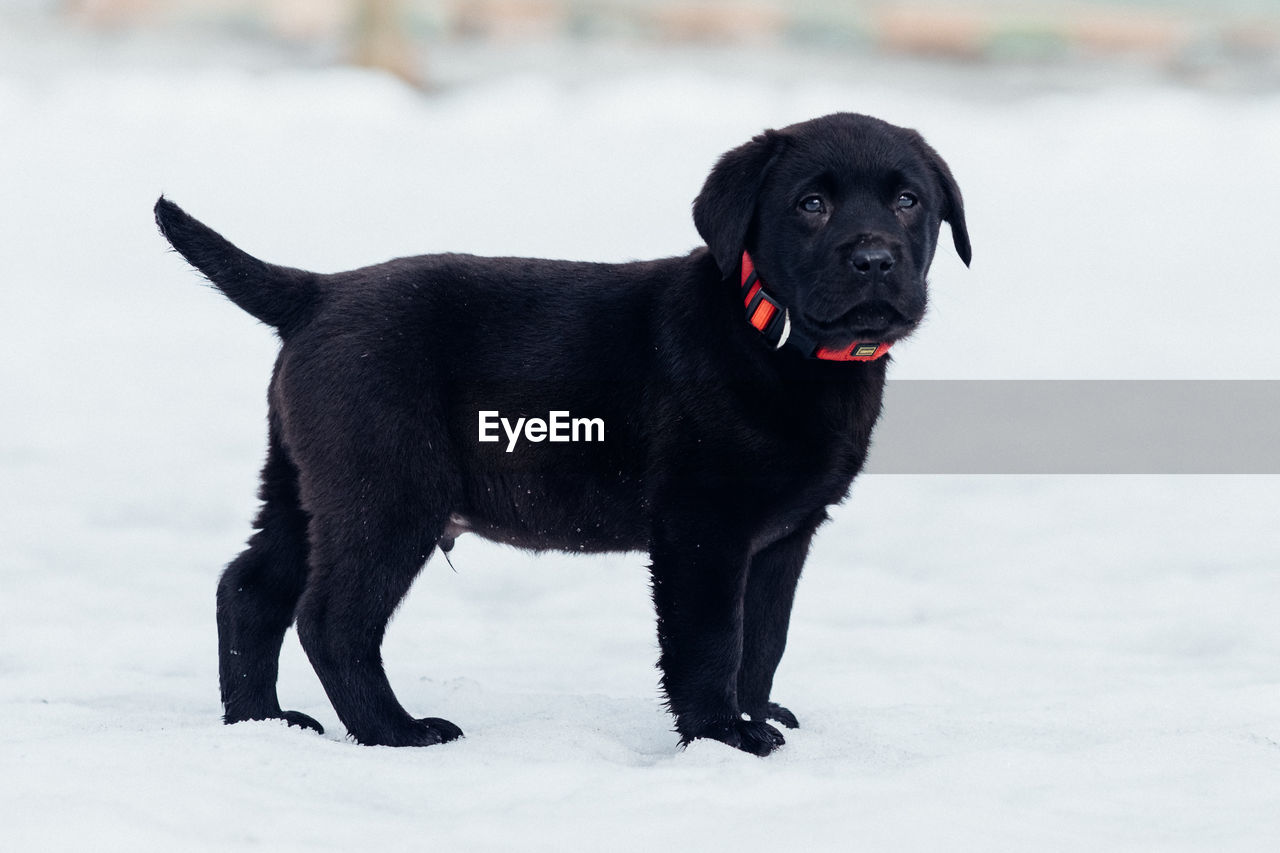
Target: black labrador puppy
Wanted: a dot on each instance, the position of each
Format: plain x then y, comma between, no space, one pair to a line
705,408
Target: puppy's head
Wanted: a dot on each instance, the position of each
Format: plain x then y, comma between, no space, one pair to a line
841,217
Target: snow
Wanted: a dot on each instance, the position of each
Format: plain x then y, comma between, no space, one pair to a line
986,663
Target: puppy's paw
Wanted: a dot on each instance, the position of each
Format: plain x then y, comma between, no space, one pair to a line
755,737
777,713
425,732
302,721
293,718
446,730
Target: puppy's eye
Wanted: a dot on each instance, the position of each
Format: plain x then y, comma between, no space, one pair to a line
813,204
906,200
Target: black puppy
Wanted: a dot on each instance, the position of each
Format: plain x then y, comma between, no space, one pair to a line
705,408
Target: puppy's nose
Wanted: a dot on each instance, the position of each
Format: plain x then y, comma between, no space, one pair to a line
871,260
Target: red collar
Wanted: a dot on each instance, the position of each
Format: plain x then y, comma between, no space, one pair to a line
772,319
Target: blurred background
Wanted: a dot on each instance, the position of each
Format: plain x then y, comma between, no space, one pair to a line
434,42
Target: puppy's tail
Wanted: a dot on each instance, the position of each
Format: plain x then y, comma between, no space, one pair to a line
282,297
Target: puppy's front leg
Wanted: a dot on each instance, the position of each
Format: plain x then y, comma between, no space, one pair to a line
699,578
771,589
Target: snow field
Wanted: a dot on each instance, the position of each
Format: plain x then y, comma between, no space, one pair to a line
979,663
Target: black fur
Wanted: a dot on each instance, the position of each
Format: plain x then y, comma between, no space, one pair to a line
721,454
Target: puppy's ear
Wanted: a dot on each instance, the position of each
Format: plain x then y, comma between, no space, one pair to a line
953,209
724,209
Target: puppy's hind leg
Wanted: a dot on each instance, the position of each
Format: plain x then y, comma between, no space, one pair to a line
257,596
365,555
